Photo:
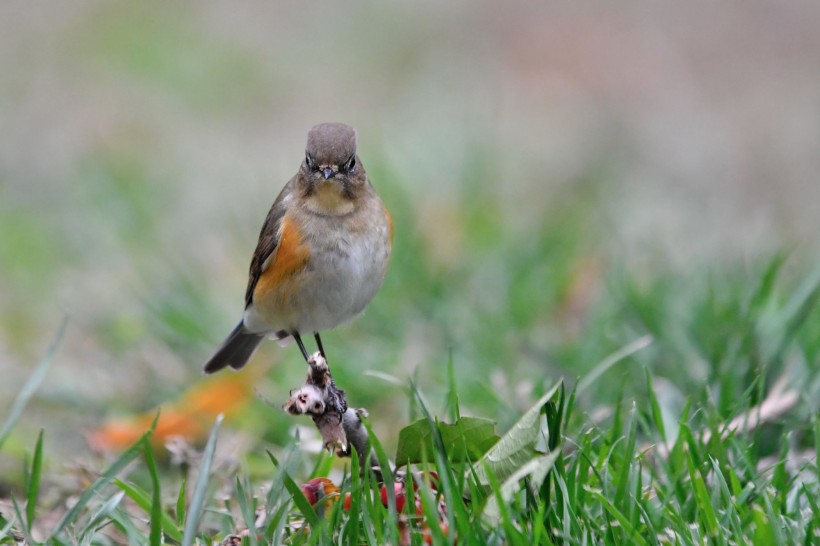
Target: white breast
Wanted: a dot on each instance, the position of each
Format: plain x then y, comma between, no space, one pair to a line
345,271
344,278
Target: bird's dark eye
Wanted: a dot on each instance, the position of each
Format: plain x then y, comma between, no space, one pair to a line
350,165
310,163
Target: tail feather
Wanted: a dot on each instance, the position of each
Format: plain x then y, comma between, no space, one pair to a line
235,351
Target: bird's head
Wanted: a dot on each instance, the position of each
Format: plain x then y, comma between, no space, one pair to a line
331,171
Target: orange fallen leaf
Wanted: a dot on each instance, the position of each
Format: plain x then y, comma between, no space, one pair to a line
189,417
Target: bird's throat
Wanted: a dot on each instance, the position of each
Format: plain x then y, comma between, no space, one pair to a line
329,199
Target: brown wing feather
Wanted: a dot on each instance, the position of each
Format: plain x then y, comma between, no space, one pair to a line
268,240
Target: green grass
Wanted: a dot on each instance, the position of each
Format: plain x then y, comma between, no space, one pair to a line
721,469
602,488
688,414
689,407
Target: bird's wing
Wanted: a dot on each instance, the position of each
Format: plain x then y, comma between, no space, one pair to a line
268,241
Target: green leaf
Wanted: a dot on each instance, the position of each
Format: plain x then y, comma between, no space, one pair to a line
537,469
466,439
197,505
516,447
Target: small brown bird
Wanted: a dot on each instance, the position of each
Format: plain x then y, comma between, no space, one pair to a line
322,253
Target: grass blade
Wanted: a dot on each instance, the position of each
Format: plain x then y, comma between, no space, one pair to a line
355,492
6,531
122,461
277,504
301,502
702,501
97,520
657,414
611,360
30,386
197,505
624,522
141,499
452,394
817,446
505,520
180,512
19,514
797,311
246,508
155,538
33,485
628,457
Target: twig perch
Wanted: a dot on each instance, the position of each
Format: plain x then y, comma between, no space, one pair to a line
340,426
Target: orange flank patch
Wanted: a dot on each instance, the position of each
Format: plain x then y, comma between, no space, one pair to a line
290,257
190,417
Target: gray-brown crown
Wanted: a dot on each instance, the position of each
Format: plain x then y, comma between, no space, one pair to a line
331,143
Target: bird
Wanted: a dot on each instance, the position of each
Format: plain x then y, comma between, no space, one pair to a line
322,255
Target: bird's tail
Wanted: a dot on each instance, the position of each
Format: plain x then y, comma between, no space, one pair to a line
235,351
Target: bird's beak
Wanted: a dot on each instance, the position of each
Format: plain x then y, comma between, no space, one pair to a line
327,172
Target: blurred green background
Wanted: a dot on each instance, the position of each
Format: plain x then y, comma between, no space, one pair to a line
563,179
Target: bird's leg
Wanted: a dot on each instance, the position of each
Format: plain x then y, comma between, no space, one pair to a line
319,343
301,345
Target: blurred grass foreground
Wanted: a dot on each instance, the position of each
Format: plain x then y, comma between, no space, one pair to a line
622,199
